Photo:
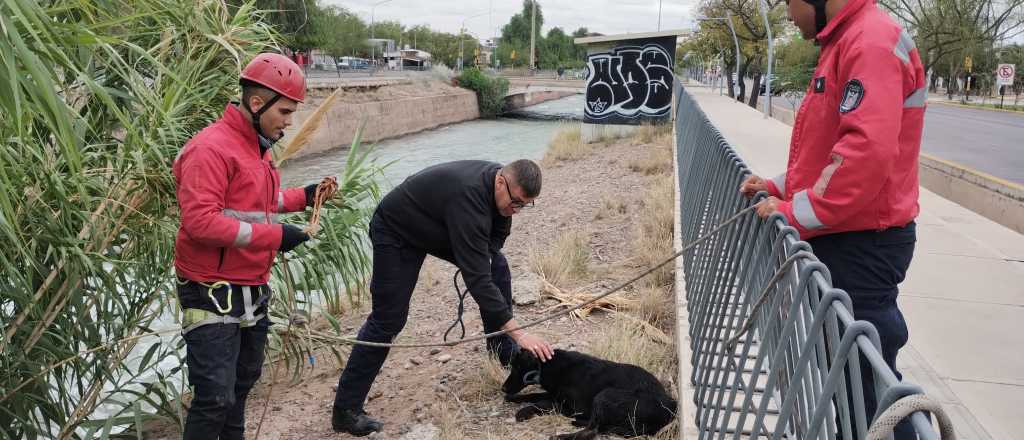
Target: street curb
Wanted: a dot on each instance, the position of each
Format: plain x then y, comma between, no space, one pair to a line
953,104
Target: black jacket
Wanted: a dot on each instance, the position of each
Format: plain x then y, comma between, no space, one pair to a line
449,211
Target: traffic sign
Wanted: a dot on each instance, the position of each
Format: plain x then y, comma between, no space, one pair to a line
1005,74
968,63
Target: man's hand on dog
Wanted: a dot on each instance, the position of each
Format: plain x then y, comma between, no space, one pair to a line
529,342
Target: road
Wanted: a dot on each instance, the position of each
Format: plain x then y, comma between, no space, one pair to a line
988,141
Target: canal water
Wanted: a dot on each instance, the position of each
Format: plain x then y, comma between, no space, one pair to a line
500,140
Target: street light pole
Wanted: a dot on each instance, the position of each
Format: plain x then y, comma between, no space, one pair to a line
659,14
533,35
768,79
462,36
373,44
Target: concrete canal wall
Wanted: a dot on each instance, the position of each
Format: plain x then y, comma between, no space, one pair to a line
389,110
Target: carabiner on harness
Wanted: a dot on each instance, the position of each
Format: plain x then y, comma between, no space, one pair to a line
209,292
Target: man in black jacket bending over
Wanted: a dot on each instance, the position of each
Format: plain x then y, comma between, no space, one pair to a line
461,212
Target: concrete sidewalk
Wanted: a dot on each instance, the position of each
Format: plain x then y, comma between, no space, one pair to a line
963,297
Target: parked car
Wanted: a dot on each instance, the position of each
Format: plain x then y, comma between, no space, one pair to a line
776,87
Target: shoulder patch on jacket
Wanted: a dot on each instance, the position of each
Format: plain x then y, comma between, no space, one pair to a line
819,84
852,96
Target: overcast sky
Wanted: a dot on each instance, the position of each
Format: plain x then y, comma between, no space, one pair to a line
604,16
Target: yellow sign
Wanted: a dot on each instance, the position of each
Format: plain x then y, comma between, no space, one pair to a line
476,51
968,63
513,56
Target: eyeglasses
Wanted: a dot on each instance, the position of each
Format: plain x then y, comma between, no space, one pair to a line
516,203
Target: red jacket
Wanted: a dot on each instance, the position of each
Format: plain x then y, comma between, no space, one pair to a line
229,198
854,151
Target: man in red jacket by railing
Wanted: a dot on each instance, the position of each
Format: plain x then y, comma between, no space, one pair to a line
851,185
230,197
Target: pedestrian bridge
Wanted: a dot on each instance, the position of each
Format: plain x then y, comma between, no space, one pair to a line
523,92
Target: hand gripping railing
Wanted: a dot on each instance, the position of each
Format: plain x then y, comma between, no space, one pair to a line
795,374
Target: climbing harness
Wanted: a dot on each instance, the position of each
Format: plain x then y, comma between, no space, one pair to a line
193,318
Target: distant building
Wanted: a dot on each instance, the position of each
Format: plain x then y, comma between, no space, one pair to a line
379,48
487,49
408,58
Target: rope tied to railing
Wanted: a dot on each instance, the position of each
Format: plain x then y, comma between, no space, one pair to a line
353,341
885,424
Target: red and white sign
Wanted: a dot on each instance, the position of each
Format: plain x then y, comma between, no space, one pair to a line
1005,74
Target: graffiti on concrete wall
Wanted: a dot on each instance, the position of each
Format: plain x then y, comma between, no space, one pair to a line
630,83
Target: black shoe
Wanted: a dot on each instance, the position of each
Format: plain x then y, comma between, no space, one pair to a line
353,422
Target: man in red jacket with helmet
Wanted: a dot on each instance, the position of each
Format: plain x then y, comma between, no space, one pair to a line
851,186
230,197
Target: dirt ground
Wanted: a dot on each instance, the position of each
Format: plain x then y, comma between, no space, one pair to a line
363,94
454,393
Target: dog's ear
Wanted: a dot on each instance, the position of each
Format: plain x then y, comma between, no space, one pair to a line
527,360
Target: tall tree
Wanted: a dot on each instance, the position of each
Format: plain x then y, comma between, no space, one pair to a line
515,36
346,33
949,31
752,35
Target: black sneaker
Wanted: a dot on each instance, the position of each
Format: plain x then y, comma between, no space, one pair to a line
355,422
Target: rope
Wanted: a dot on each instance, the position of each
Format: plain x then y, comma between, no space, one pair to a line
352,341
751,318
324,192
558,314
461,294
884,425
273,380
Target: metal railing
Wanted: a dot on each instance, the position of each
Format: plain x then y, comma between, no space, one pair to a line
796,373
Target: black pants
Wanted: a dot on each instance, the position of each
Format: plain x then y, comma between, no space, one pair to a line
869,265
224,362
396,268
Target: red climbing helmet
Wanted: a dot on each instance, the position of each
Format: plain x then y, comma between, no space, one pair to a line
278,73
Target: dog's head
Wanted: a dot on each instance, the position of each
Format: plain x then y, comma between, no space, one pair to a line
525,370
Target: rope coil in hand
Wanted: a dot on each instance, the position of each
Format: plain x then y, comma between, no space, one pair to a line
324,192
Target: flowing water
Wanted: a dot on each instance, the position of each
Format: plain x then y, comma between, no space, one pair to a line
500,140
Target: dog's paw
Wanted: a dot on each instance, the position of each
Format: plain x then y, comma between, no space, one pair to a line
526,413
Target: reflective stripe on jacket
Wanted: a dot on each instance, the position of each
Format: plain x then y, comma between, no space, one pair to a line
854,151
229,198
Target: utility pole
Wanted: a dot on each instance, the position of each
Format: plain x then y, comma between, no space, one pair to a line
462,37
373,46
659,15
533,34
771,55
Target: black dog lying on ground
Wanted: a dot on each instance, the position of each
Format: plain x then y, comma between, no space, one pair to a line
601,396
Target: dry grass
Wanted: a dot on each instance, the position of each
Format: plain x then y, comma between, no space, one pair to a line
566,145
654,231
655,306
615,204
565,299
566,261
653,133
484,382
625,340
659,161
448,422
